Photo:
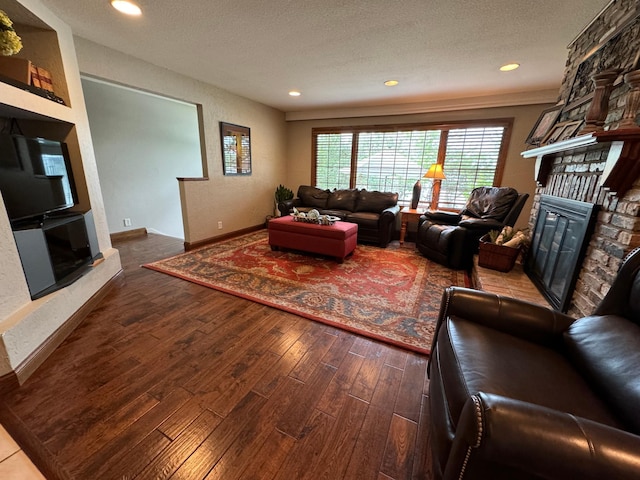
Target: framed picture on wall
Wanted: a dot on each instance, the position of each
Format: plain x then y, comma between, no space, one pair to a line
236,149
546,120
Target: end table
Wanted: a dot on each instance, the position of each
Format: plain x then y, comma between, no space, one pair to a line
406,216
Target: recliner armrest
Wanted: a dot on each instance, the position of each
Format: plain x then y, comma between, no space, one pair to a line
516,317
444,218
498,433
484,224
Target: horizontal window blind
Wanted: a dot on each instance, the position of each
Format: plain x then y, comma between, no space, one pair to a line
471,160
333,160
394,161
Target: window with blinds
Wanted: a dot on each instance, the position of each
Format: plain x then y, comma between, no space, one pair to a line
393,158
470,160
333,160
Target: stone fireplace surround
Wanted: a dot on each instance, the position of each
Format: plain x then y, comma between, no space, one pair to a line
602,168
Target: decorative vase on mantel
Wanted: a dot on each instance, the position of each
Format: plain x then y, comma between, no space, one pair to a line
599,108
632,100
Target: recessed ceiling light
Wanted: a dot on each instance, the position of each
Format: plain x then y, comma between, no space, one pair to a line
391,83
294,93
125,7
509,66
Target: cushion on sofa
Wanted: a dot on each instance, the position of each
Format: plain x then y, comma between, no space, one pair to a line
606,349
475,358
375,201
313,197
490,202
342,200
364,219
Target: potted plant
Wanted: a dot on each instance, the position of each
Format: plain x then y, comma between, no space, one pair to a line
282,194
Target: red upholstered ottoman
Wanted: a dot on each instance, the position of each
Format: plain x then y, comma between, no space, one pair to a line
337,240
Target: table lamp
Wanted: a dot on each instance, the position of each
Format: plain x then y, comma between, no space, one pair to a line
437,174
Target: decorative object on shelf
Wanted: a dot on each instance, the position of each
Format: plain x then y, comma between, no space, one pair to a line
236,149
499,250
632,100
45,79
544,123
10,42
599,108
15,68
281,194
436,173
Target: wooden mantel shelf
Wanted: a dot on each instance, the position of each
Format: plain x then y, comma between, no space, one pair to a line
622,167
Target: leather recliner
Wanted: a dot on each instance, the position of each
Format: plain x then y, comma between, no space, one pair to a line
452,239
521,391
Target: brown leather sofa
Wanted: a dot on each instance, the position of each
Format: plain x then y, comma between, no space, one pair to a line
451,239
518,391
374,212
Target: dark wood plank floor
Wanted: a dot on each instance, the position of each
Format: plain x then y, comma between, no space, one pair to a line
167,379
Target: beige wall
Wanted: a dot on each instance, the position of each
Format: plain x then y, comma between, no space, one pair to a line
518,172
236,201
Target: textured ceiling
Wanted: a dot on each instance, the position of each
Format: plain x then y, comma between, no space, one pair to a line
338,53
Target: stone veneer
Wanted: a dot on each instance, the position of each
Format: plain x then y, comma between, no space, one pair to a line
575,174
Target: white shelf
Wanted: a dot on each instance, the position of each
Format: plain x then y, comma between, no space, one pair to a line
23,104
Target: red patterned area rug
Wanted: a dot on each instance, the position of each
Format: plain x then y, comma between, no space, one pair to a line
391,294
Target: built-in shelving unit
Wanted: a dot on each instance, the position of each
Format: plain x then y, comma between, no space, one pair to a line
31,329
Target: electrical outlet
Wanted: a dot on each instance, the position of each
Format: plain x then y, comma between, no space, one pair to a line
127,222
219,225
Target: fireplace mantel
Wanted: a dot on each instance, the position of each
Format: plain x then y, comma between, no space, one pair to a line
622,167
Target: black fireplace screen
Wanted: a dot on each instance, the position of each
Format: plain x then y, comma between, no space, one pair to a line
558,244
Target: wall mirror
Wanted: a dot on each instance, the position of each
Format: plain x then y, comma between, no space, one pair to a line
236,149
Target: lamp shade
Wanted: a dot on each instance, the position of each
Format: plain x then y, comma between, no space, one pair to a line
435,171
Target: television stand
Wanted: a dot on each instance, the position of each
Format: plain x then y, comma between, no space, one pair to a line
56,251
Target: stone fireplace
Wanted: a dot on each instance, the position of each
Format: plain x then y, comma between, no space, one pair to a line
600,164
602,169
558,244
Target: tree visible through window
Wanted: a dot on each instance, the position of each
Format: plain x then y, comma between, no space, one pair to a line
392,159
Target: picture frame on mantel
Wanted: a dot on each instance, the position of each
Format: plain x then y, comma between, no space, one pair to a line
561,131
546,120
236,149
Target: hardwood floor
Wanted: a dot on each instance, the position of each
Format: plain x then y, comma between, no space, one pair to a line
168,379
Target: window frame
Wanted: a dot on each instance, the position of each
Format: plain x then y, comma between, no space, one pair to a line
444,127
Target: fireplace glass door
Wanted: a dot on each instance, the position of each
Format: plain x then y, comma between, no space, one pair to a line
557,247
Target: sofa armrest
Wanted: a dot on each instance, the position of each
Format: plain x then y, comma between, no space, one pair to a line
391,212
516,317
500,434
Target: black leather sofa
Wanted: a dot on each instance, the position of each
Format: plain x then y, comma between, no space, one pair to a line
519,391
374,212
451,239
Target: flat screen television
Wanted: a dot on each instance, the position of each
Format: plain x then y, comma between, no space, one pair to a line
36,178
